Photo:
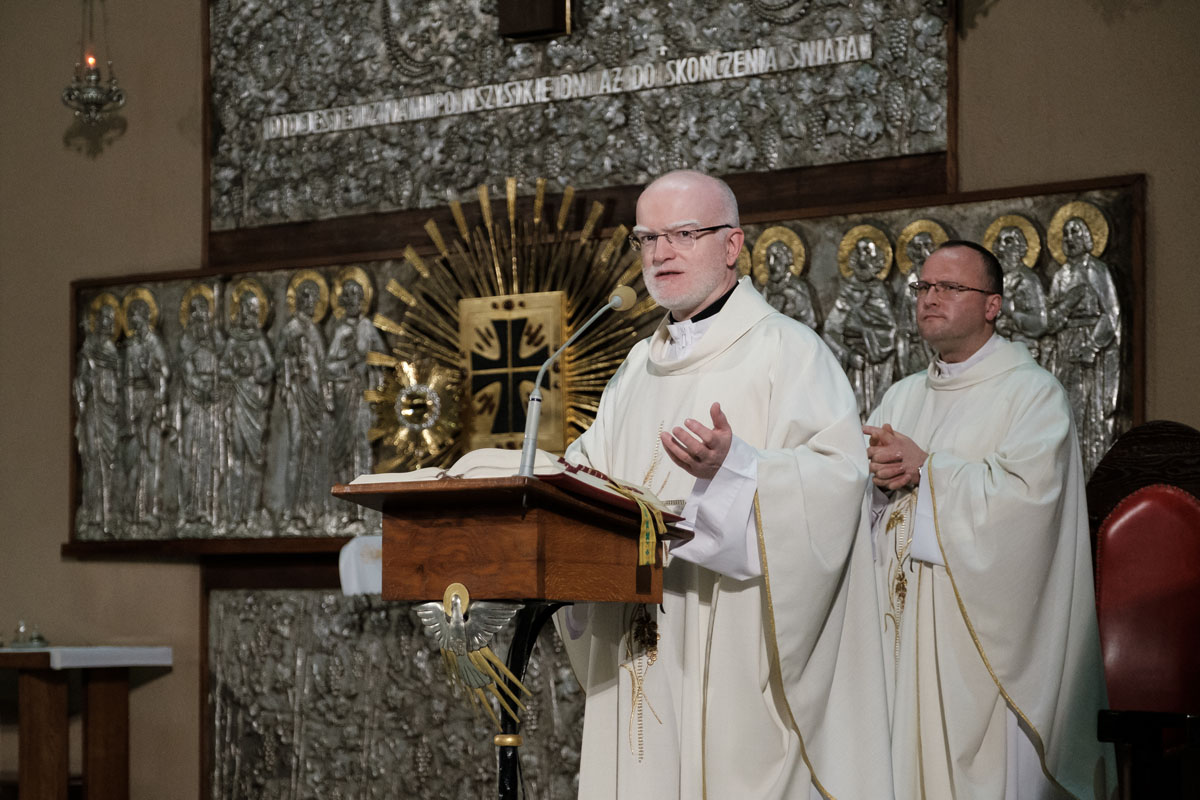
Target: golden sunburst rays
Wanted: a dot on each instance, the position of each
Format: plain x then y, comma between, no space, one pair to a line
515,247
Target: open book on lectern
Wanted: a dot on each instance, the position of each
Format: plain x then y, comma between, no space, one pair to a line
493,462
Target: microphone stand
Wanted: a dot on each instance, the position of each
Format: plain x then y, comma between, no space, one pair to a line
534,615
621,299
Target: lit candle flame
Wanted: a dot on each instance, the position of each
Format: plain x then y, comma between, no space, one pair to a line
91,61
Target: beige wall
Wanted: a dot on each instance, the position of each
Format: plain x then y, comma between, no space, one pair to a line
1076,94
1083,92
63,216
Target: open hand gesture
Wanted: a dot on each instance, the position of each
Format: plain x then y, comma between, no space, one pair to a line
697,449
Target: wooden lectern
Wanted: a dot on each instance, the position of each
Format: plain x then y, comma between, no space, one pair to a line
515,538
512,538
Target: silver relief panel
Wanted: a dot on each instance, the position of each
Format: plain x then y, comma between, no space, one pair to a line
226,408
324,109
313,696
1069,288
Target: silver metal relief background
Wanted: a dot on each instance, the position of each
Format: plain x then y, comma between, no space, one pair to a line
317,696
1076,316
228,411
270,57
283,418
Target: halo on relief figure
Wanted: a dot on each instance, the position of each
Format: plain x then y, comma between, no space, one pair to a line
936,232
134,295
98,302
770,236
1033,239
850,242
356,275
317,280
1092,216
255,288
185,304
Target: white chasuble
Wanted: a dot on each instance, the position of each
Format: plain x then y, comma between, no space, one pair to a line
995,674
742,699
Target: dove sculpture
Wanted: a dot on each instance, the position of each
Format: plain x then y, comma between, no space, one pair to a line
463,631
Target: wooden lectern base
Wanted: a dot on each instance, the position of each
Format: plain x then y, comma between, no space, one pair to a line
508,539
512,538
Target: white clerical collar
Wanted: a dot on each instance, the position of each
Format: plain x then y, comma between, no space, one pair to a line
684,336
945,369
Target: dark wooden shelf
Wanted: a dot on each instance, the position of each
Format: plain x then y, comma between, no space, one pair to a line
190,549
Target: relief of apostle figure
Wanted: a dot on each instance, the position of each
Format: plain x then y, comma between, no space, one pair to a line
786,292
1085,339
198,415
246,369
98,415
913,353
348,376
1023,313
861,328
299,359
145,376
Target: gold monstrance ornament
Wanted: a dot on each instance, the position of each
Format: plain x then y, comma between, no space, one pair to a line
489,306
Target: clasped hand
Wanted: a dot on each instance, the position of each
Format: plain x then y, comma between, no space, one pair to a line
697,449
896,460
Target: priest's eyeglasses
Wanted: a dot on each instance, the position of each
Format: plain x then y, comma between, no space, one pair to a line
684,239
948,288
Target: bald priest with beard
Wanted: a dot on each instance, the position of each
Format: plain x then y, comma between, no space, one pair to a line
987,611
761,673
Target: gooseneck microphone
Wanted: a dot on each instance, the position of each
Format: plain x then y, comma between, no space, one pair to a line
622,299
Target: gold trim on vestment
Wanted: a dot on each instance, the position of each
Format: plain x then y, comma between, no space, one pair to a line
901,522
1038,744
775,665
704,718
917,661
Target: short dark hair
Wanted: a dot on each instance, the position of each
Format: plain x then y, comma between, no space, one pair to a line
991,264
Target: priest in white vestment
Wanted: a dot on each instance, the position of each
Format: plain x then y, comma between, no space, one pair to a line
983,560
761,674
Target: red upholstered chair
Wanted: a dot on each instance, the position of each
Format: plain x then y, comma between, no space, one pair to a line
1159,451
1148,605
